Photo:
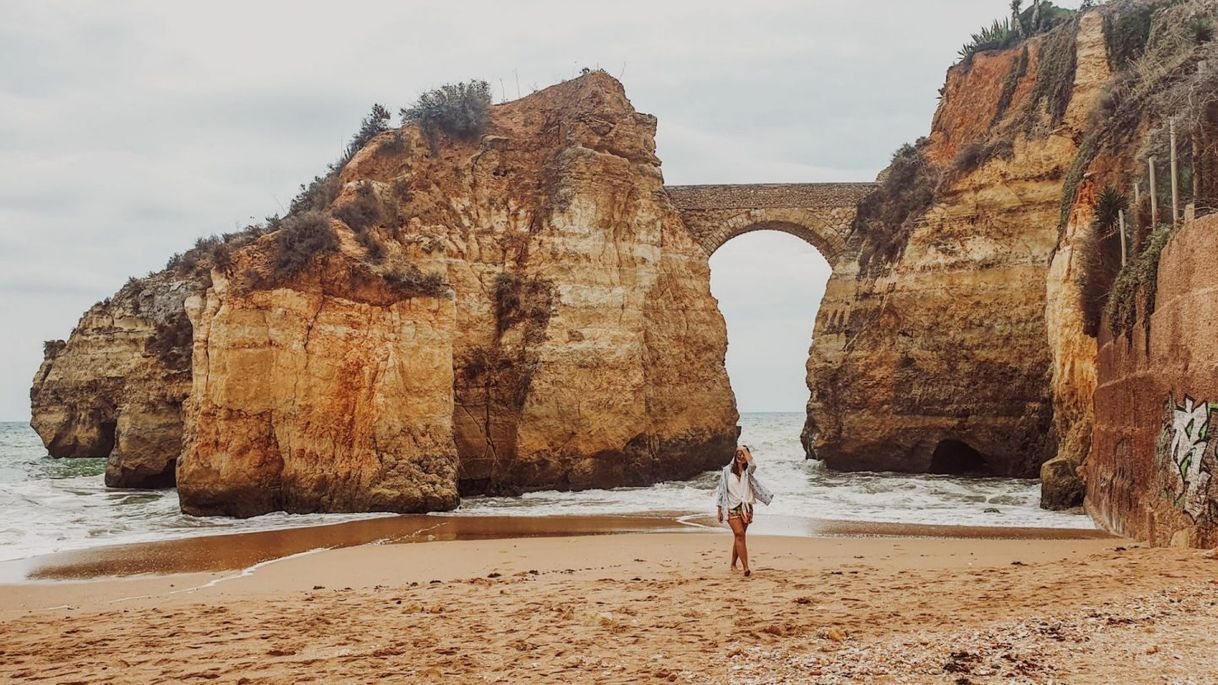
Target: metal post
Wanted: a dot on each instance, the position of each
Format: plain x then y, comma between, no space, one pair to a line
1124,250
1175,180
1154,195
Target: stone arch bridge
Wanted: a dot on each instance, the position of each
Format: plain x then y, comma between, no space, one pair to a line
818,213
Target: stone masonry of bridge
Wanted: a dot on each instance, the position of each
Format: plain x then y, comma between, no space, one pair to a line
819,213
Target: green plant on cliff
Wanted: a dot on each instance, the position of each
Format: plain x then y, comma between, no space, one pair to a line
887,216
320,193
1126,31
972,156
1023,24
171,342
1137,281
1099,257
364,211
1087,150
460,110
362,215
373,125
1202,29
996,36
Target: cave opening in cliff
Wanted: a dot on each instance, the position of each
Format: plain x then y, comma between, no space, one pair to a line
107,435
769,285
956,458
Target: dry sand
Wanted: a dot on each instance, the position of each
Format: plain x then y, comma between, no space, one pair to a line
637,607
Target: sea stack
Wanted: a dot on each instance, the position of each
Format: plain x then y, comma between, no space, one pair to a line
518,310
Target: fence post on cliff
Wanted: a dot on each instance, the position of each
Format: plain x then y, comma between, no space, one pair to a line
1175,180
1137,203
1154,195
1124,250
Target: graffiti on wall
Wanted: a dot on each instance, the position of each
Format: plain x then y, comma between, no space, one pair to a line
1186,454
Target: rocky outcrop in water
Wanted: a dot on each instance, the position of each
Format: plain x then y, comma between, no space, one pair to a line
116,388
520,310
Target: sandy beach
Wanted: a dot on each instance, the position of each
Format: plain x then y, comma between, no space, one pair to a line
634,607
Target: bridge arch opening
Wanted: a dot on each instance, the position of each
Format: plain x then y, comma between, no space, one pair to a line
769,280
807,234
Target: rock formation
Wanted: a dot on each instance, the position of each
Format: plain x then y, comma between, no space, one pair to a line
959,329
930,352
523,310
116,388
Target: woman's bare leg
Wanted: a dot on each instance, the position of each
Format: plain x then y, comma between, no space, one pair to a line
739,551
744,549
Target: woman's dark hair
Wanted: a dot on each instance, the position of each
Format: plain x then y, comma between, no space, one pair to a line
736,470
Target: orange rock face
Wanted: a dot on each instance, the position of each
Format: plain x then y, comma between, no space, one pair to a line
588,350
321,396
520,311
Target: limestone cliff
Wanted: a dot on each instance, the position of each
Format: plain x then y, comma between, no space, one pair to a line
519,310
932,347
959,330
1162,58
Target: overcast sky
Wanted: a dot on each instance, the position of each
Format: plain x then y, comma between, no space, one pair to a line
128,129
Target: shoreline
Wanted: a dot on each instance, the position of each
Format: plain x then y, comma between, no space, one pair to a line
654,607
236,551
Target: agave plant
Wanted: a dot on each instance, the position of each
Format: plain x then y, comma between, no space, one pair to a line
993,37
1108,207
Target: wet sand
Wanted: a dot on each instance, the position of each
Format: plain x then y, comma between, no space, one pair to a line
544,606
242,550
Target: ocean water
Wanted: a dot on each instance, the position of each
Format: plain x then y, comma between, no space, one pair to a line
804,488
50,505
54,505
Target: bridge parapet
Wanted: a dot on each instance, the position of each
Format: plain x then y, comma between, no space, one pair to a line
819,213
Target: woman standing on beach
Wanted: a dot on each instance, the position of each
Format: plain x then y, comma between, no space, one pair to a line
738,491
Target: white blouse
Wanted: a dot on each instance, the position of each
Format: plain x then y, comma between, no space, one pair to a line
739,490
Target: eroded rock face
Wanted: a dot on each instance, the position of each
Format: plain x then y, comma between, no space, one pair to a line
1153,456
328,395
116,387
939,361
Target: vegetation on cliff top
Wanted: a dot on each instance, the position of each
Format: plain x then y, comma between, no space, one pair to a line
461,110
300,238
1040,17
887,216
